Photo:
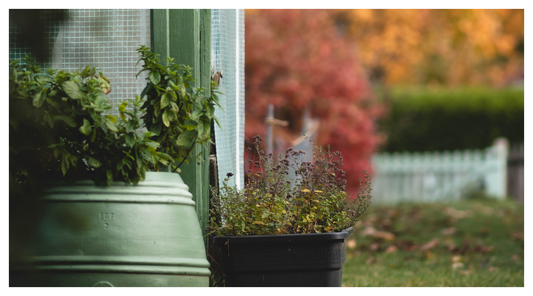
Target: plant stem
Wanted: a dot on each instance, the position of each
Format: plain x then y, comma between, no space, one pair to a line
188,152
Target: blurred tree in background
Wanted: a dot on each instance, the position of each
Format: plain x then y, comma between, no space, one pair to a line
345,65
298,59
450,47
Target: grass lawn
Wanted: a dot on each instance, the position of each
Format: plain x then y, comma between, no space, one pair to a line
470,243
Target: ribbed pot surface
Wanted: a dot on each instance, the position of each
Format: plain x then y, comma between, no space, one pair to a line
122,235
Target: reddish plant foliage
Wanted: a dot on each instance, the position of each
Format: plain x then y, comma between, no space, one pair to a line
297,59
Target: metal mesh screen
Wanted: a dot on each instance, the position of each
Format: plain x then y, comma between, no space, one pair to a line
227,55
103,38
107,39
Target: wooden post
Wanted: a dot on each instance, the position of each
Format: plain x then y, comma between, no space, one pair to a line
270,122
269,129
185,35
496,177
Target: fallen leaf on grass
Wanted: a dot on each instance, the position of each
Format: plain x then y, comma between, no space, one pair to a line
517,235
452,248
407,245
386,223
393,213
492,269
456,265
351,244
448,231
370,260
385,235
369,221
457,258
371,231
464,272
430,245
368,231
450,245
456,214
482,249
373,247
515,258
391,249
483,209
464,248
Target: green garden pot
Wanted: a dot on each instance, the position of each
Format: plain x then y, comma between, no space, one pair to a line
122,236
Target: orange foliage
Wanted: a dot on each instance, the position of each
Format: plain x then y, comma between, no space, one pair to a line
439,46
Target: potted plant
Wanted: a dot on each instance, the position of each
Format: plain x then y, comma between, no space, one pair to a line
90,203
280,232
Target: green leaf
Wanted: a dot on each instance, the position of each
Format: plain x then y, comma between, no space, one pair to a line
210,110
130,140
110,125
218,123
165,100
68,120
154,77
64,164
185,139
145,90
109,175
157,109
86,127
204,128
93,136
56,153
86,70
112,118
48,119
164,158
39,98
100,101
166,121
174,107
94,162
156,128
72,90
171,115
195,114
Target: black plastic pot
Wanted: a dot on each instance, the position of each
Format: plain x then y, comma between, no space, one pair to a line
289,260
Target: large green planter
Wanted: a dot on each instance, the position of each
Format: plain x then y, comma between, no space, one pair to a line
123,235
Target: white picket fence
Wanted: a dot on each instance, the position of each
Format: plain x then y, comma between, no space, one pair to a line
439,176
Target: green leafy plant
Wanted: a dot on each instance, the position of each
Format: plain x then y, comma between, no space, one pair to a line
315,201
179,113
59,127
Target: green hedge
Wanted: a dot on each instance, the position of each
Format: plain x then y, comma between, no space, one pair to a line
450,119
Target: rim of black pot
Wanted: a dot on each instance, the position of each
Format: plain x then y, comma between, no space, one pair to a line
287,237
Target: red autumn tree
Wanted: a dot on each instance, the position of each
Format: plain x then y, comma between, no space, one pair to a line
298,59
